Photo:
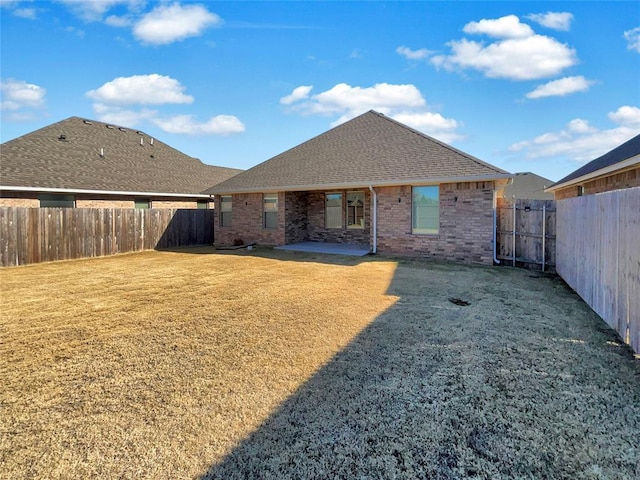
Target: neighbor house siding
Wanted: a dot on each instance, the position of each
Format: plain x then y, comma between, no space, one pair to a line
247,222
29,199
466,223
18,199
618,181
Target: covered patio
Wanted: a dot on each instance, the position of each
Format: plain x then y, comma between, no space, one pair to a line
326,247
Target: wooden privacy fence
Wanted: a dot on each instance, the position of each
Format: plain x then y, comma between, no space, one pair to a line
526,233
33,235
599,256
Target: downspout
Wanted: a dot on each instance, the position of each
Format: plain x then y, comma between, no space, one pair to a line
374,223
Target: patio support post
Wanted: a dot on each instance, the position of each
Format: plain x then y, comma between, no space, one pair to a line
374,214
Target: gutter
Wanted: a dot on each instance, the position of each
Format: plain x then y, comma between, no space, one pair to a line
629,163
101,192
345,185
374,223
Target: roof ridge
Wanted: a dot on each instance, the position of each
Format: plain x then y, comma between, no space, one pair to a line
439,142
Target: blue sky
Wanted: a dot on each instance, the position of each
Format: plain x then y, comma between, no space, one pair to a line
526,86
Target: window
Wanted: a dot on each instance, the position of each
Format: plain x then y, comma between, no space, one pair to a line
333,210
142,203
581,190
203,204
57,200
425,210
355,209
225,210
270,204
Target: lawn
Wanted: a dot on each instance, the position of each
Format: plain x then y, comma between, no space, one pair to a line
263,364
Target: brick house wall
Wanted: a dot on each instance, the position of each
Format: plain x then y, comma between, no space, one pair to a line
31,200
317,232
465,233
617,181
466,223
18,199
247,222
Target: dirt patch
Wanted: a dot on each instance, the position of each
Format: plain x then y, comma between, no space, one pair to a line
270,364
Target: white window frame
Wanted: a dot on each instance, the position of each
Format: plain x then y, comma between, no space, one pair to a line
226,207
269,208
357,224
334,209
427,212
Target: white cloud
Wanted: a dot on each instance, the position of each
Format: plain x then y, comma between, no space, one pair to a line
554,20
404,103
420,54
580,141
299,93
186,124
28,13
113,102
171,23
122,116
94,10
626,115
633,39
151,89
118,21
504,27
520,54
561,87
18,94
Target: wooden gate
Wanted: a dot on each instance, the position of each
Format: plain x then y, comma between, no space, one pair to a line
526,233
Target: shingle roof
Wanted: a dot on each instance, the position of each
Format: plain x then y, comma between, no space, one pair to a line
527,185
66,155
371,149
627,150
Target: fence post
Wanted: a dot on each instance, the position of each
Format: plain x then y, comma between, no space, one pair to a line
513,240
544,232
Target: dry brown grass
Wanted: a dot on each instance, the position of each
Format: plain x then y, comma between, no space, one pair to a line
155,364
281,365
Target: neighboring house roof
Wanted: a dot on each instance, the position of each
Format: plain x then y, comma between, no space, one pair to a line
527,185
371,149
66,156
622,157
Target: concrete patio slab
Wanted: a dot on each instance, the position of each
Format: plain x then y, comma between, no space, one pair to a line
330,248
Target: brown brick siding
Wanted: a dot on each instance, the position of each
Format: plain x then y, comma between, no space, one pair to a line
317,220
18,199
247,223
618,181
466,223
30,199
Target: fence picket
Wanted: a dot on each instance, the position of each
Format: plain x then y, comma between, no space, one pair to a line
33,235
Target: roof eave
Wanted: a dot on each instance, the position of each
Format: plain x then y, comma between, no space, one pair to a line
627,164
100,192
344,185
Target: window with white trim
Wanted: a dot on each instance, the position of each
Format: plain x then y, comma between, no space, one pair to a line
333,210
225,210
270,210
425,210
355,209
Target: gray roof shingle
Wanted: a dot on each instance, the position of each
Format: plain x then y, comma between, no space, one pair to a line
371,149
623,152
66,155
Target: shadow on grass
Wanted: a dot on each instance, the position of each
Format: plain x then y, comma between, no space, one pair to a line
522,383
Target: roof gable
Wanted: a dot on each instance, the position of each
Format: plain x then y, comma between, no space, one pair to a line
371,149
80,154
626,151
